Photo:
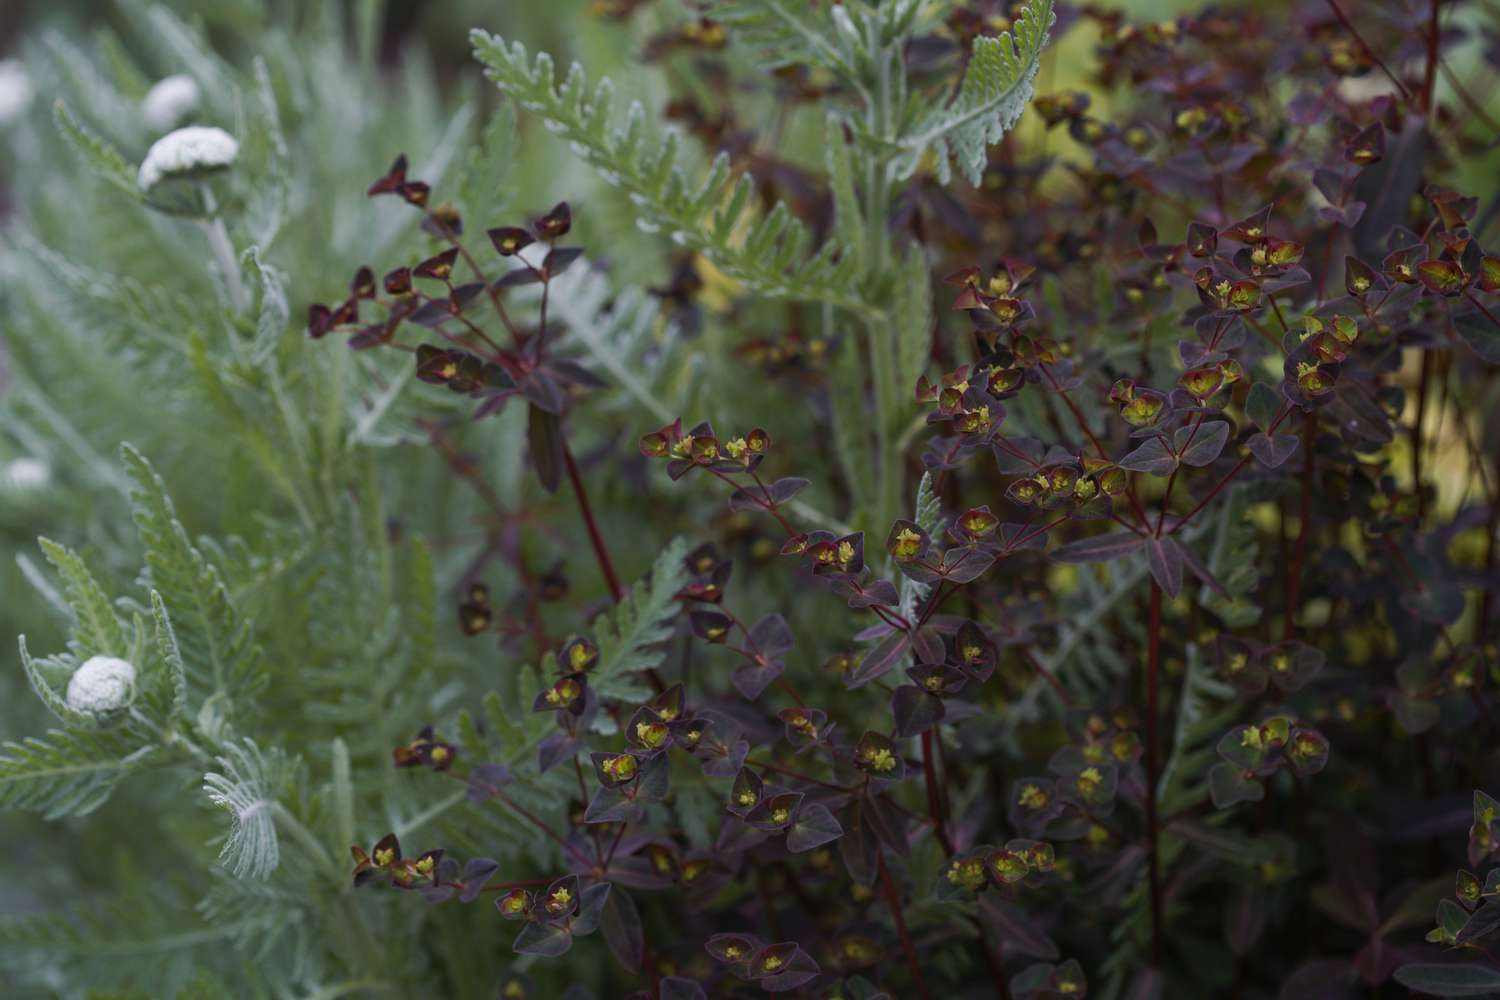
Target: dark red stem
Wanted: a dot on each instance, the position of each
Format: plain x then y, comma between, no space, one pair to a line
1153,662
606,566
893,900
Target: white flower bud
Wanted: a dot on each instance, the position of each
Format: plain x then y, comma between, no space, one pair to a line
103,684
25,475
191,150
169,101
15,91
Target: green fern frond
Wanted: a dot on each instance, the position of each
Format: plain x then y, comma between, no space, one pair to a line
619,332
1206,708
928,510
96,152
97,631
128,939
912,315
1234,562
249,785
214,640
995,89
711,216
70,772
262,916
792,33
43,689
629,635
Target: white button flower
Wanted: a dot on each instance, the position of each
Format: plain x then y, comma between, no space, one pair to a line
25,475
192,150
15,91
169,100
103,684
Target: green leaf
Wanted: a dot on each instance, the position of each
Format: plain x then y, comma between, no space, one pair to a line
96,152
68,772
55,702
618,329
1233,561
851,416
248,785
630,635
271,320
1207,705
171,654
913,322
848,220
769,260
996,87
793,33
928,510
98,631
215,642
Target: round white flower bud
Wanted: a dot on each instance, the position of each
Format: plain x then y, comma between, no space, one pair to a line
15,91
192,150
169,100
103,684
25,475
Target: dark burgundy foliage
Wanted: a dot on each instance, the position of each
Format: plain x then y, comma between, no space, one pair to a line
1183,683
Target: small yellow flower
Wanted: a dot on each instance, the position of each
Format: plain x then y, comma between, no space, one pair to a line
908,544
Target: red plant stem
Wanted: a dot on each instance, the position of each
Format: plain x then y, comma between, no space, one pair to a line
1429,79
894,619
1228,476
1482,624
1166,497
800,776
1474,107
506,886
1348,26
934,806
1046,675
938,596
576,854
1153,662
1416,435
942,765
1271,298
765,505
1083,425
893,900
610,855
1480,306
606,566
489,288
1304,515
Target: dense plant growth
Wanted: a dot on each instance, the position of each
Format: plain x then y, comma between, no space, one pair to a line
875,544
